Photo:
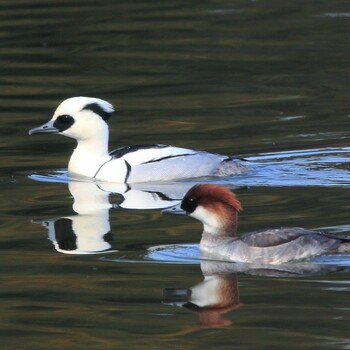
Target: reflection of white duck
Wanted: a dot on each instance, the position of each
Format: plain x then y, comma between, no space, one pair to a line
146,196
217,208
88,232
84,119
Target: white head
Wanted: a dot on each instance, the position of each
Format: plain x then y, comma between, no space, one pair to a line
215,206
80,118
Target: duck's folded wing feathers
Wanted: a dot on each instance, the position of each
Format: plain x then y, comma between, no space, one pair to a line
276,246
278,236
157,162
125,150
143,154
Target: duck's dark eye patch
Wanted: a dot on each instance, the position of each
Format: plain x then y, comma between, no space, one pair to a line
96,108
189,205
64,118
63,122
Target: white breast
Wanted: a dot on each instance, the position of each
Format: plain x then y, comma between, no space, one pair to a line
114,170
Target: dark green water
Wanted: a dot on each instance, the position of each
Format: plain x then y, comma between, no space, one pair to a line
268,80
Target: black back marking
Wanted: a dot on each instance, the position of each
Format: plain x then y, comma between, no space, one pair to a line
122,151
96,108
169,157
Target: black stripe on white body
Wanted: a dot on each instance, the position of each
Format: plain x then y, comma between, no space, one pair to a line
160,162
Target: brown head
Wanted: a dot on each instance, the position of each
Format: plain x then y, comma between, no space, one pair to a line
215,206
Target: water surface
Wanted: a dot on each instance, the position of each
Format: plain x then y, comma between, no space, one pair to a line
265,80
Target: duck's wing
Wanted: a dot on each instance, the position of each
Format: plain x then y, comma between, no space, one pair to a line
130,150
157,162
276,246
152,153
282,235
160,162
277,236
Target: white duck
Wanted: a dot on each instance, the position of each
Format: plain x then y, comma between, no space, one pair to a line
84,119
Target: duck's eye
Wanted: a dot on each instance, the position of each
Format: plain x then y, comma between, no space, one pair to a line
189,205
64,118
63,122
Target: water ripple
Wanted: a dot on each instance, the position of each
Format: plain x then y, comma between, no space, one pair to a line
328,167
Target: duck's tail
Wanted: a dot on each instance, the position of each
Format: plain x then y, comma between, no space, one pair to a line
232,166
344,247
344,240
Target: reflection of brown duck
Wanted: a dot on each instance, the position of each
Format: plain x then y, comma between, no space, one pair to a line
217,208
218,293
215,296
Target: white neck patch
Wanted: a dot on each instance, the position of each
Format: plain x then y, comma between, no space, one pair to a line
210,220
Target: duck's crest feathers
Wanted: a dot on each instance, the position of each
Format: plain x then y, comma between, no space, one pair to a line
76,104
104,111
207,194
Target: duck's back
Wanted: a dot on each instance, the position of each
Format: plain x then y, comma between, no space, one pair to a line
275,246
144,163
290,243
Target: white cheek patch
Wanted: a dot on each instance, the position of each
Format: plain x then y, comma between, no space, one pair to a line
87,126
210,220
